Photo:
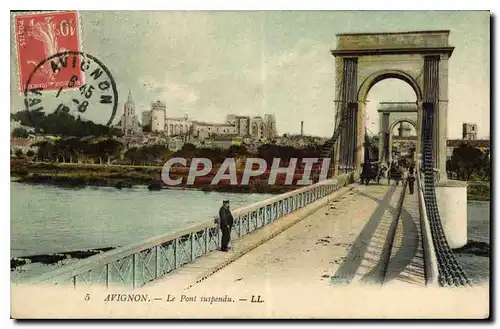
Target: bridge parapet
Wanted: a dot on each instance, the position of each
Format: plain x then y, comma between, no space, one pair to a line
137,264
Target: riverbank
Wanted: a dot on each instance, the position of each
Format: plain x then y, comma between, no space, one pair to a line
127,176
476,248
49,259
478,191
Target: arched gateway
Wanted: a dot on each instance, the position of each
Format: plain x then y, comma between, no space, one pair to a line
419,58
390,115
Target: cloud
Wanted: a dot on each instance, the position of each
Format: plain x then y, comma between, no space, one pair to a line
176,95
300,81
289,84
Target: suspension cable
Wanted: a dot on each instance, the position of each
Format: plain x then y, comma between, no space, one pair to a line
451,273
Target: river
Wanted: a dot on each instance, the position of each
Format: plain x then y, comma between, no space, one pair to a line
478,229
49,219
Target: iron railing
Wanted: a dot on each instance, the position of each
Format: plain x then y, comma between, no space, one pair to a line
145,261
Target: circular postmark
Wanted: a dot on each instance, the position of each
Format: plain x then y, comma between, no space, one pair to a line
85,88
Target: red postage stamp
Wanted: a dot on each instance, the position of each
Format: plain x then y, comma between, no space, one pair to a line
41,36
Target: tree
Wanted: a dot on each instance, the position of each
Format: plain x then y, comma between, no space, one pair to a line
236,150
467,160
64,124
132,155
112,149
20,133
269,152
30,153
105,149
76,148
19,153
45,151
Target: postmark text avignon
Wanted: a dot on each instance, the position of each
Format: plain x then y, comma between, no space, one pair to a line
199,167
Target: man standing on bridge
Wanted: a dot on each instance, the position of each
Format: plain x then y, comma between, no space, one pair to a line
226,223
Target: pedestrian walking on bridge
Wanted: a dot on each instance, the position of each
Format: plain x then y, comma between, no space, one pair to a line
411,181
225,223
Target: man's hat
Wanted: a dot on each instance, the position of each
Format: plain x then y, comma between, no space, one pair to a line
225,201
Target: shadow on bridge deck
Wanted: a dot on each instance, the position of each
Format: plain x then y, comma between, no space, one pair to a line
389,246
359,250
406,263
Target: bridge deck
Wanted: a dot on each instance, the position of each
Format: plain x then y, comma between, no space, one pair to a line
348,239
407,256
205,266
366,261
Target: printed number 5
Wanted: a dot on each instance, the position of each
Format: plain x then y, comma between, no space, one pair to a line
87,297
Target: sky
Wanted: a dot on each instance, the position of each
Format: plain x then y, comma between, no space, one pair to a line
210,64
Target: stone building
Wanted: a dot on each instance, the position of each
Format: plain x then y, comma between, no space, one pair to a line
242,124
178,126
270,122
146,118
256,127
23,144
129,122
231,119
469,131
204,130
235,125
403,129
158,113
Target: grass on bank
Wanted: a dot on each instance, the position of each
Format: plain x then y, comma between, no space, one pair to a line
478,191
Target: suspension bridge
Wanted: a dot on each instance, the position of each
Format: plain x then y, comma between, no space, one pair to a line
334,232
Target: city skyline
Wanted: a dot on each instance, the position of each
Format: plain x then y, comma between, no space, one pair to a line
210,64
185,115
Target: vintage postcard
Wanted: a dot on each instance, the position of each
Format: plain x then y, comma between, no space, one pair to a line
250,164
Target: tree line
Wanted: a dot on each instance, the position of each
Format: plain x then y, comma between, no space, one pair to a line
62,123
159,154
107,150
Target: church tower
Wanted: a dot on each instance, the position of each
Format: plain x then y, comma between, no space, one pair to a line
129,119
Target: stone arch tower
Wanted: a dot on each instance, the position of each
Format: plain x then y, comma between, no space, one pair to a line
390,114
420,58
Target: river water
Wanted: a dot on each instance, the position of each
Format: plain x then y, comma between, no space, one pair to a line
48,219
478,229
